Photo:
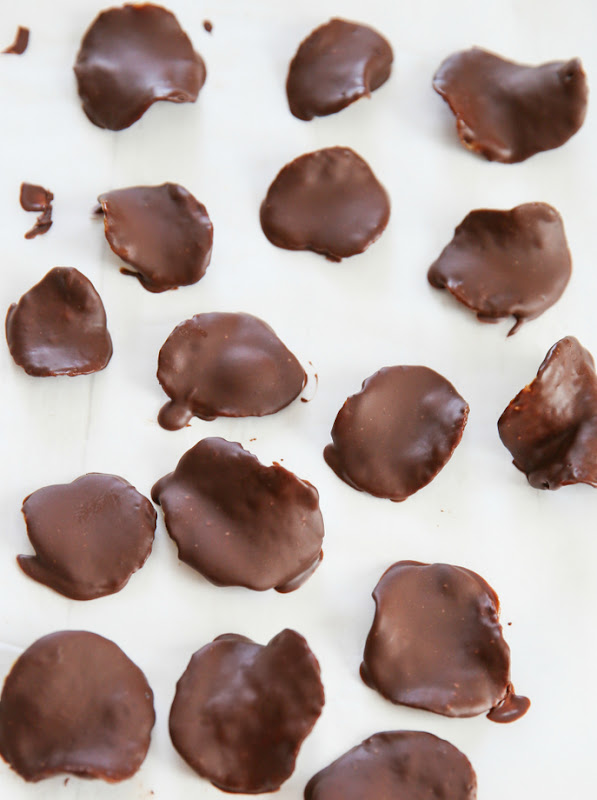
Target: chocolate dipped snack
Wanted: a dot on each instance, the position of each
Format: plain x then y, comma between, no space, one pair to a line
162,232
225,365
20,43
238,522
405,765
460,667
74,703
503,263
508,112
550,427
337,64
131,57
242,710
395,435
36,198
59,327
89,536
328,201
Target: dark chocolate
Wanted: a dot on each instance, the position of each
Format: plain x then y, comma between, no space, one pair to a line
59,327
89,536
242,710
161,231
397,765
225,365
131,57
508,112
550,427
20,43
337,64
460,667
395,435
36,198
329,202
503,263
74,703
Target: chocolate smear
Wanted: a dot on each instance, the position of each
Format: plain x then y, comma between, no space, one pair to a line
328,201
36,198
74,703
242,710
20,43
508,112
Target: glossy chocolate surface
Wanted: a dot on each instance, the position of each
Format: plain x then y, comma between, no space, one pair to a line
36,198
74,703
328,201
20,43
242,710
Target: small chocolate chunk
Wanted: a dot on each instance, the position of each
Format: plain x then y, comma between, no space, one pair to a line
242,710
550,427
58,327
161,231
460,667
130,58
20,43
89,536
395,435
503,263
238,522
208,26
337,64
329,202
36,198
401,765
508,112
74,703
225,365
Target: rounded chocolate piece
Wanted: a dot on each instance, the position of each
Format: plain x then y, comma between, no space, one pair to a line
59,327
238,522
337,64
397,433
508,112
405,765
74,703
225,365
460,667
328,201
89,536
242,710
130,57
161,231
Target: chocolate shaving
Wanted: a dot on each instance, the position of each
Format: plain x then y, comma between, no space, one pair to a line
20,43
36,198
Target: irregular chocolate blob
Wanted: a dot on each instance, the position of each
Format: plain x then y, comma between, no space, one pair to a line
508,112
161,231
397,433
551,425
36,198
238,522
242,710
208,26
20,43
58,327
131,57
89,536
460,667
337,64
225,365
74,703
329,202
503,263
405,765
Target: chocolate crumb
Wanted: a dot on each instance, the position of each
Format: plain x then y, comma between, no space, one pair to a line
208,25
36,198
20,43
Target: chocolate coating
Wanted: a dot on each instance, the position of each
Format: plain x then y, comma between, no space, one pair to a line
238,522
461,666
161,231
58,327
131,57
89,536
508,112
550,427
242,710
394,436
75,703
503,263
36,198
225,365
328,201
337,64
20,43
405,765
